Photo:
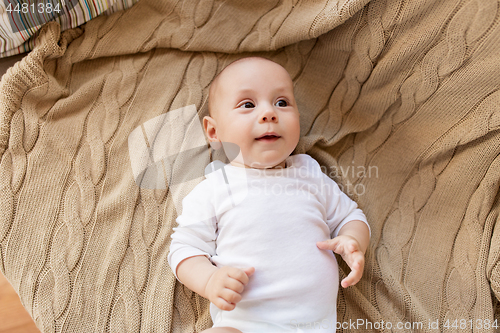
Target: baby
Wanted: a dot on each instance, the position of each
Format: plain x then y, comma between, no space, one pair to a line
265,262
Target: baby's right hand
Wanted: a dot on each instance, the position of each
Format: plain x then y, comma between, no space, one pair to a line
224,287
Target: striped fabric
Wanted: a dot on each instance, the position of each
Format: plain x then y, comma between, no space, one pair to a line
20,20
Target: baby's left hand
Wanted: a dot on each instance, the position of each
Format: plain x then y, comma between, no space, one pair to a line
348,247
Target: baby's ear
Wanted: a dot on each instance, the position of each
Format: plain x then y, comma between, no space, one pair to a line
210,126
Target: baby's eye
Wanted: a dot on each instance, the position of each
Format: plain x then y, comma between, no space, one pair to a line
281,103
247,105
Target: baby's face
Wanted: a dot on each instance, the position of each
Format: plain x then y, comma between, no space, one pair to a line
254,107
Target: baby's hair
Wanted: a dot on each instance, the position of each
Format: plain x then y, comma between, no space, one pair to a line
213,85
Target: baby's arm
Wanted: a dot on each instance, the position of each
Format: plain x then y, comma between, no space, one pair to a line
351,243
221,286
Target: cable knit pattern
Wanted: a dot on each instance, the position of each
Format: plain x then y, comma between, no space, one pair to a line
399,104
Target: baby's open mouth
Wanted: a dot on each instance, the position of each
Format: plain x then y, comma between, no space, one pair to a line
268,137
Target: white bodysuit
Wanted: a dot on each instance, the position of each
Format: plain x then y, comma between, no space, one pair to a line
271,220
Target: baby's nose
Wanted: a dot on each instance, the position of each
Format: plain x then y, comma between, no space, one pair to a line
269,118
269,115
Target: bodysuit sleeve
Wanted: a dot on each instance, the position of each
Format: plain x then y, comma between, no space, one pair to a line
197,226
340,209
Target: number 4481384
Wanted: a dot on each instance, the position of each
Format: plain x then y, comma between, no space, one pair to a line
41,8
470,324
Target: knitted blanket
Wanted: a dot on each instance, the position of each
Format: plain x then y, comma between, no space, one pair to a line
399,103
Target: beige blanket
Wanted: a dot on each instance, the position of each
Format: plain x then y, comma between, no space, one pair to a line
399,102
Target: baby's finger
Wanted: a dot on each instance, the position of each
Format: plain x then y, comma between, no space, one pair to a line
330,244
235,285
238,274
249,271
230,296
351,279
353,258
222,304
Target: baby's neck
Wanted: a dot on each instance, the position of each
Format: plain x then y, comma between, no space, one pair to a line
282,165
